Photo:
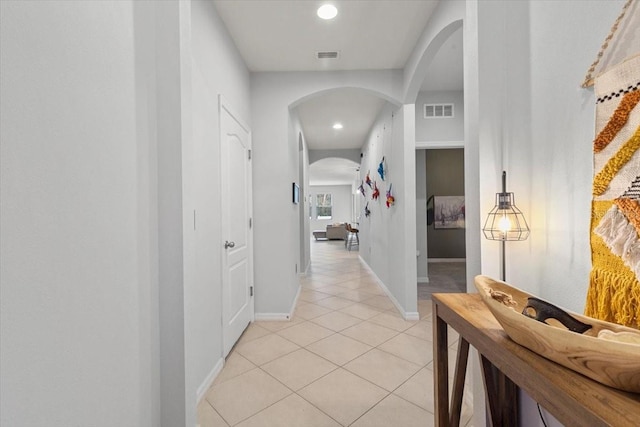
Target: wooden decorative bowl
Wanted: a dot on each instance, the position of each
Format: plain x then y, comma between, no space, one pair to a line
607,353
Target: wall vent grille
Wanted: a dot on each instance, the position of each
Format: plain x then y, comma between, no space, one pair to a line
327,55
438,111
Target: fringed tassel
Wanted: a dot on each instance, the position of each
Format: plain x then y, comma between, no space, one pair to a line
621,237
614,298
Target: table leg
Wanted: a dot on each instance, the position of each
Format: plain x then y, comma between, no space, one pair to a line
458,382
501,394
440,370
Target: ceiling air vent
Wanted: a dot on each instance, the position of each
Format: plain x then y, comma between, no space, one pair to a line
327,55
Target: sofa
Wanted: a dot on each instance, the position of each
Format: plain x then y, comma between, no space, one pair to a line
337,231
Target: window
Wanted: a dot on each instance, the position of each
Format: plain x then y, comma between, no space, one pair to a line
436,111
323,206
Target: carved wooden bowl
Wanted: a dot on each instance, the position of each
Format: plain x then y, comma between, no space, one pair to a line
607,353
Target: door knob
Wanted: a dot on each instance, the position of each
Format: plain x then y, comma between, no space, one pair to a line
228,244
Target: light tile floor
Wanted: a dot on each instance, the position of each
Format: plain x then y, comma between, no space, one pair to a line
346,358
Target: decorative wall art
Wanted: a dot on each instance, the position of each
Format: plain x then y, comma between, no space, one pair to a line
390,199
448,211
382,169
367,212
361,189
376,191
368,180
614,291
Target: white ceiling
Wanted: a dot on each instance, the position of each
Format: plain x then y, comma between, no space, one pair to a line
354,108
284,35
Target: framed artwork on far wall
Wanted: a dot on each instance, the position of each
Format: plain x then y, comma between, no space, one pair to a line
296,193
448,211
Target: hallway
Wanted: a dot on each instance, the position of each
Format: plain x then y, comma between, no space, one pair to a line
346,358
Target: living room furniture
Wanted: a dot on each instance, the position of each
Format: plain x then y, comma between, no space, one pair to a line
337,231
352,233
570,397
320,234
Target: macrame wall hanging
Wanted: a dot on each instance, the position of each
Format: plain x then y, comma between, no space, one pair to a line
614,289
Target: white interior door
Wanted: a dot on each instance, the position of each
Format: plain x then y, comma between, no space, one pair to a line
237,242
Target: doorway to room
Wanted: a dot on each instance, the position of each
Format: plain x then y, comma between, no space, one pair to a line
445,222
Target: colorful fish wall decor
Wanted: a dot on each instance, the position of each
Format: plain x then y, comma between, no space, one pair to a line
376,191
390,199
382,169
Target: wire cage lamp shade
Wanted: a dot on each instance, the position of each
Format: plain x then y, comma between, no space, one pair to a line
505,221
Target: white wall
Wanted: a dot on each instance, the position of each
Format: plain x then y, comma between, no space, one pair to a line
446,19
443,128
110,298
341,198
388,235
527,114
215,68
72,303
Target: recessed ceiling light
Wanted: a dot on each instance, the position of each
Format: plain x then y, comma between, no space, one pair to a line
337,126
327,11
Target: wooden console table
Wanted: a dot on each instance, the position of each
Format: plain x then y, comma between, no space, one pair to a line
573,399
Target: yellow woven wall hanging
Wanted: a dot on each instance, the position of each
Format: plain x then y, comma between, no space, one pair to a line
614,291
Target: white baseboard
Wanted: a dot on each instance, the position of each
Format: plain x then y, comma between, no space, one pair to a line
446,260
295,301
280,317
423,280
204,387
284,317
407,315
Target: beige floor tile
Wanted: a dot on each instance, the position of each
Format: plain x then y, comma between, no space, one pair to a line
336,321
312,296
234,366
425,309
353,284
278,325
418,389
356,295
452,337
380,302
208,417
290,411
252,332
409,348
333,289
335,303
392,321
383,369
305,333
343,395
372,288
369,333
423,330
361,311
245,395
308,311
394,411
339,349
451,364
333,279
265,349
298,369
